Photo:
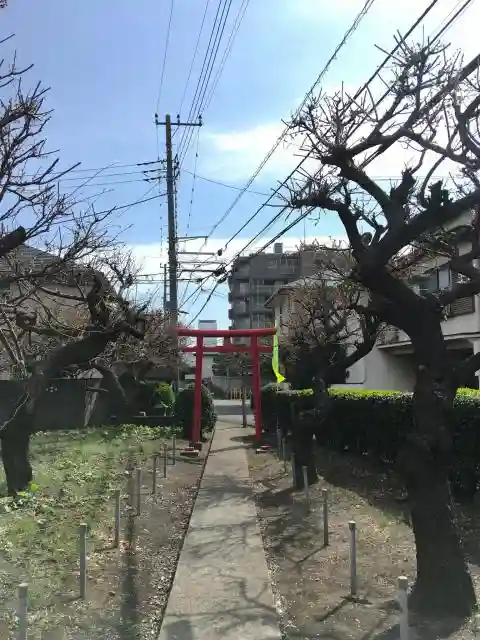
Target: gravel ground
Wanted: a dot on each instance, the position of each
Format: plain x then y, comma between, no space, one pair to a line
312,581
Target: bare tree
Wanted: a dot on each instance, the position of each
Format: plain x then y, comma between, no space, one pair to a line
430,107
322,336
45,237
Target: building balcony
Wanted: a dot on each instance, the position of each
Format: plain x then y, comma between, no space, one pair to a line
460,318
237,312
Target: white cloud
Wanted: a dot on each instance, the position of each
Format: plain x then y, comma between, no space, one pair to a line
462,34
234,155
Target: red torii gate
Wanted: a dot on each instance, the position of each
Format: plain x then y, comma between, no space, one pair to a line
227,347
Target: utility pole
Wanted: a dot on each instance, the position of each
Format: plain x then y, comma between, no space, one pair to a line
164,288
172,231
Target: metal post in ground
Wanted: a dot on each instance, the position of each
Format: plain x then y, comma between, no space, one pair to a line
116,540
294,479
83,560
22,611
325,518
353,558
244,402
403,600
306,488
139,491
284,454
154,475
279,442
165,459
174,448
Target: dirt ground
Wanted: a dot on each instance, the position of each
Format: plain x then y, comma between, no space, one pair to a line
312,582
128,587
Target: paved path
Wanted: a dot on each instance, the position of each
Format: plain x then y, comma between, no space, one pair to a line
222,588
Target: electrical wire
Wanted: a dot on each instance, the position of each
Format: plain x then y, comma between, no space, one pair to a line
165,54
370,159
224,184
202,85
194,56
351,101
353,27
206,100
192,193
226,54
202,70
303,215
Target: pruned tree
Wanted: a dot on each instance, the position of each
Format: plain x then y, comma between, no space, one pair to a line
321,337
46,238
431,108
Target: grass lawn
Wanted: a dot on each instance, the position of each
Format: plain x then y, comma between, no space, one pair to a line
75,475
312,581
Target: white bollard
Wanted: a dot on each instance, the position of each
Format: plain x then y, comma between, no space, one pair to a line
117,519
353,558
154,475
306,488
83,560
22,611
403,600
325,518
139,491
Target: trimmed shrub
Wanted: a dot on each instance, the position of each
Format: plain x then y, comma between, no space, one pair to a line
376,423
184,405
163,397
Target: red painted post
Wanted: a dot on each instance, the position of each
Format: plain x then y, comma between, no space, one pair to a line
197,402
256,386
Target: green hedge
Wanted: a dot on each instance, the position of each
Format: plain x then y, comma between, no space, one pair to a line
376,422
184,404
163,396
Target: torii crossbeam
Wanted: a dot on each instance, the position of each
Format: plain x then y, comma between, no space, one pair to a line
227,347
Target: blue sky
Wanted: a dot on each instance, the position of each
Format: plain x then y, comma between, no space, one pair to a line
103,62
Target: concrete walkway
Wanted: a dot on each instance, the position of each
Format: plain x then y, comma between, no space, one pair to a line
222,587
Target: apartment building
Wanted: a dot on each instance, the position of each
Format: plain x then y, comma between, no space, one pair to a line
390,364
254,279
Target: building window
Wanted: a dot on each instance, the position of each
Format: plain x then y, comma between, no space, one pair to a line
437,280
243,288
444,278
258,320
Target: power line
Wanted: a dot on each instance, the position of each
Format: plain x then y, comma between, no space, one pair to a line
165,53
202,70
205,101
372,157
303,215
224,184
358,18
357,94
192,194
228,49
202,85
194,56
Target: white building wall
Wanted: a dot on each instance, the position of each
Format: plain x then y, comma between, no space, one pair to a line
380,370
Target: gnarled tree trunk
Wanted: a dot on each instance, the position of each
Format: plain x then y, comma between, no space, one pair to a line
443,583
302,447
15,440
